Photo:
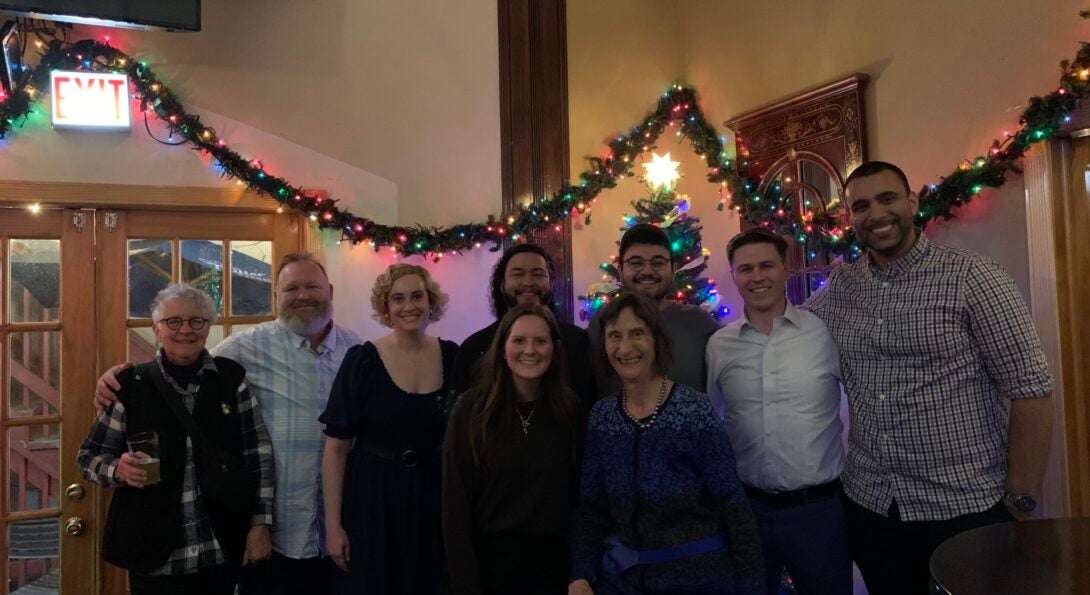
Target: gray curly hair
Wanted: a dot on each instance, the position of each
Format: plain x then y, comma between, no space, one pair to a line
187,293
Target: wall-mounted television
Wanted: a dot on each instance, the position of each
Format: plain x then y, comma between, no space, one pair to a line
173,15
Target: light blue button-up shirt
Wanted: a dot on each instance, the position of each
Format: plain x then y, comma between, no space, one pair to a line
781,397
291,383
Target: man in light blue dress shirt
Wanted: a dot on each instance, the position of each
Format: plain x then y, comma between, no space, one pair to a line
775,376
290,365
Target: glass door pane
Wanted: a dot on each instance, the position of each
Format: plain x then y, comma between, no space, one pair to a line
251,278
153,263
32,372
34,280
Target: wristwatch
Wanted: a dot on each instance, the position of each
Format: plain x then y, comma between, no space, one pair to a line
1022,502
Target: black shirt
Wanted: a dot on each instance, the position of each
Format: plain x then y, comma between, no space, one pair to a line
528,490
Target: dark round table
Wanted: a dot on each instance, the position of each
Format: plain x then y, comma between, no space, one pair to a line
1038,557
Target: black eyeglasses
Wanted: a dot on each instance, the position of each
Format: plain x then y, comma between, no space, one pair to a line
175,322
636,263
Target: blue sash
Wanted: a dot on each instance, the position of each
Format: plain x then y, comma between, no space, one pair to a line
618,558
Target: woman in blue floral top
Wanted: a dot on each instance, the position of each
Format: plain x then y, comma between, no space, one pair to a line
661,507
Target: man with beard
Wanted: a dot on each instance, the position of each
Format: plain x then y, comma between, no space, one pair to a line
948,389
523,275
647,266
290,365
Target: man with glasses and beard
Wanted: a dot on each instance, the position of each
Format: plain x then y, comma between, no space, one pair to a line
523,275
647,266
290,365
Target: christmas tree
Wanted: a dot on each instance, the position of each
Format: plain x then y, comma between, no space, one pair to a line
664,207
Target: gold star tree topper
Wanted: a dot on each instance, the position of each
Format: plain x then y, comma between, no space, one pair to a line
661,172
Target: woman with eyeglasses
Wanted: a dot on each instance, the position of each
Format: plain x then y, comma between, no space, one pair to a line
384,426
208,512
510,465
661,507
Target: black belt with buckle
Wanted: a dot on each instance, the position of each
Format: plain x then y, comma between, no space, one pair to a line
794,497
408,457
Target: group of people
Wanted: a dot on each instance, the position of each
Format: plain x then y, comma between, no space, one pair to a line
653,453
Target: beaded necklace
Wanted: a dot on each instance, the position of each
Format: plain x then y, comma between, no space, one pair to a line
650,419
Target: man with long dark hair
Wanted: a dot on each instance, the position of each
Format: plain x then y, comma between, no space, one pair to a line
523,275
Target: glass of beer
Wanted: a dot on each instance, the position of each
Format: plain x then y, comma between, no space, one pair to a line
145,447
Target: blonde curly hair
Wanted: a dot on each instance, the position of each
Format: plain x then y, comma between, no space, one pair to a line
437,300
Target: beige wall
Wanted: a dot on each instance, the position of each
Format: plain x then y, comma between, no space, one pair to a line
392,107
946,78
621,56
408,91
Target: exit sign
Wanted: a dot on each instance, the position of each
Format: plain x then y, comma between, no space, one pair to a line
90,100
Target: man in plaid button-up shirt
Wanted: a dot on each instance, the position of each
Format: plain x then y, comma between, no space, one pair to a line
947,385
290,364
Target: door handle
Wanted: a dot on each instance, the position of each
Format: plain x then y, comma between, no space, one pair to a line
74,492
73,526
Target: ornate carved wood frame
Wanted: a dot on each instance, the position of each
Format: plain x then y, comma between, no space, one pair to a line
808,144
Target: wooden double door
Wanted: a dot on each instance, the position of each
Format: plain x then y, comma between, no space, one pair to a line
76,285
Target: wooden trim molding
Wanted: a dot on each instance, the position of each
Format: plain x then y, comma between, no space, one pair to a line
1071,217
534,120
78,194
1057,215
78,316
1042,191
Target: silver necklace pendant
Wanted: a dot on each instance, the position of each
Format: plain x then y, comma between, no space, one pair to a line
526,420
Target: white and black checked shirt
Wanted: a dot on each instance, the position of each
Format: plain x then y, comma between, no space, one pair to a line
929,348
99,454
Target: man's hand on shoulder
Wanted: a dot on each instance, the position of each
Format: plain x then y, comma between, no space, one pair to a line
108,385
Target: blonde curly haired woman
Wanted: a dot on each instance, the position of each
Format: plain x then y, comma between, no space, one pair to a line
384,426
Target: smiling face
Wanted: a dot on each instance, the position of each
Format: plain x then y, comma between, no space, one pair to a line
528,349
182,346
761,277
647,268
630,347
882,212
407,304
304,298
526,280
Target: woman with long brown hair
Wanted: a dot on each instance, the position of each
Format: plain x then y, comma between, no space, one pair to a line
511,465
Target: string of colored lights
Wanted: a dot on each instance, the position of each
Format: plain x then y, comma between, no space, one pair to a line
677,109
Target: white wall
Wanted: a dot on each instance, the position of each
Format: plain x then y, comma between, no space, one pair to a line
391,107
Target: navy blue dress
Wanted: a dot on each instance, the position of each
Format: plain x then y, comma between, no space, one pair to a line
392,486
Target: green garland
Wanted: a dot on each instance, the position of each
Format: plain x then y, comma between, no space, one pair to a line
677,107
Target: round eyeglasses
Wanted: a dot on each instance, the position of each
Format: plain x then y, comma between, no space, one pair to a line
175,322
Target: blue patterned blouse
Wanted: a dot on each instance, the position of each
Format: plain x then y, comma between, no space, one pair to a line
670,484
